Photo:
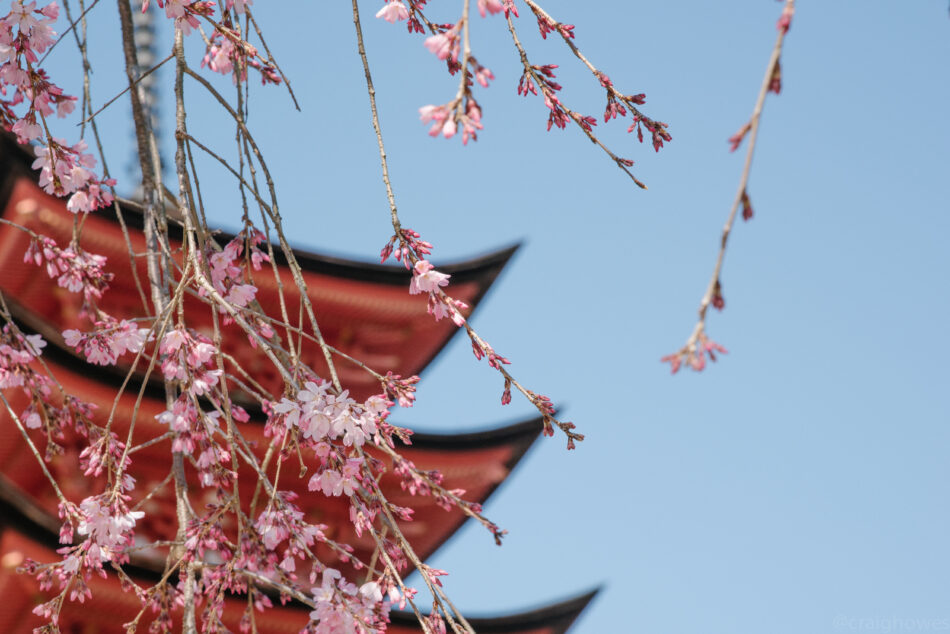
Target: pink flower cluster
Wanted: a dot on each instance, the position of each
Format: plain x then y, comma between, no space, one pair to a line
547,25
17,351
17,370
322,416
444,117
65,170
73,269
400,390
27,29
229,54
109,340
187,357
107,524
228,271
283,521
182,12
426,279
445,45
340,607
441,120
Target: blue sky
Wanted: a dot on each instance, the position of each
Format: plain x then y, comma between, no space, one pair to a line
800,484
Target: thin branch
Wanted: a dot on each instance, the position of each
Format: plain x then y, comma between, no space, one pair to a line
698,345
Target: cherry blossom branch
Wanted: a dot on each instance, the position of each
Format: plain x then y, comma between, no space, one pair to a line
557,107
274,215
699,345
409,248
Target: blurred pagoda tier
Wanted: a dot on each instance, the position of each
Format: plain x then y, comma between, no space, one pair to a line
364,310
28,533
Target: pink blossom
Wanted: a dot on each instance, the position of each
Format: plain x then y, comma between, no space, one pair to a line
393,11
492,6
444,45
26,130
371,592
21,16
426,279
329,481
32,420
241,294
107,527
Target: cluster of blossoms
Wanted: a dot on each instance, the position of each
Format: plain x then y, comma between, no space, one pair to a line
445,43
107,525
187,357
65,170
544,76
411,250
24,33
72,268
185,13
108,340
228,270
321,416
17,355
425,279
229,53
546,25
17,351
341,606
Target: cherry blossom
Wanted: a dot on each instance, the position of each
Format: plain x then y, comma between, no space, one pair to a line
16,353
107,526
393,11
491,6
65,170
445,44
426,279
109,340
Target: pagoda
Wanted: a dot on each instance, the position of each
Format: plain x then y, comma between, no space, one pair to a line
364,311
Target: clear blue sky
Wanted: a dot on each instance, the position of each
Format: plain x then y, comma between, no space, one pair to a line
799,485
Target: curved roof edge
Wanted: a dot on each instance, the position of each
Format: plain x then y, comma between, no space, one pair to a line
15,160
558,616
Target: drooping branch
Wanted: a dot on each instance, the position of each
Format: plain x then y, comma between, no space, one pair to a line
699,346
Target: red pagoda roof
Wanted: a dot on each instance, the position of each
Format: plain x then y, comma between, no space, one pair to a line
26,532
477,462
363,309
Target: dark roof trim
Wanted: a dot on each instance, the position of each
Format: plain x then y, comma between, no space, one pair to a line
558,616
